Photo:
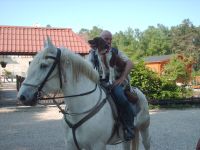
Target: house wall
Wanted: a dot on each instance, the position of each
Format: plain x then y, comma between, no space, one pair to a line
156,66
17,65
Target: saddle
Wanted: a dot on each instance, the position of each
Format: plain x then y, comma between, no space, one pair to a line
131,95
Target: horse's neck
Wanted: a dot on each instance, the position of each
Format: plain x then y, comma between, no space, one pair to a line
80,103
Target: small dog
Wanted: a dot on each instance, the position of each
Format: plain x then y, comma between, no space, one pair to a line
108,60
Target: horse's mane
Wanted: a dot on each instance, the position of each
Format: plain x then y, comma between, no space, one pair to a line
79,65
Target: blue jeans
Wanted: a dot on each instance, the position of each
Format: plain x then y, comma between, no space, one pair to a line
127,114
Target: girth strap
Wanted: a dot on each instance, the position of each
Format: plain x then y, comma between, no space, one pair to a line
87,117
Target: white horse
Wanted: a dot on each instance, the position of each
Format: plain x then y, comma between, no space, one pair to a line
89,122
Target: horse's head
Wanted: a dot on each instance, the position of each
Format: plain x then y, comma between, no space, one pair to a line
99,44
42,74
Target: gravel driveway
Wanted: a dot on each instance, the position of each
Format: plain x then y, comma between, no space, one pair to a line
40,128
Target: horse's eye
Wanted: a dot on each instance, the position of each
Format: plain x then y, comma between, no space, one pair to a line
43,66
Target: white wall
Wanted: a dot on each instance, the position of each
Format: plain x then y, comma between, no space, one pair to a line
17,65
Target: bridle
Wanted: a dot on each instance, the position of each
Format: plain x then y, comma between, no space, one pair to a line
89,113
40,86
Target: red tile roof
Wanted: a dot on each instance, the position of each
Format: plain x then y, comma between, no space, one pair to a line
20,40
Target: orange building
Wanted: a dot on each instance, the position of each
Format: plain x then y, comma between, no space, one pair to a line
157,63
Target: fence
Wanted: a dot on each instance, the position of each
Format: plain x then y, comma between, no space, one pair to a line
45,100
185,101
19,80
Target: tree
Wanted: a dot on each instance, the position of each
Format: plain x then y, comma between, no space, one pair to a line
186,40
127,42
176,70
94,32
155,41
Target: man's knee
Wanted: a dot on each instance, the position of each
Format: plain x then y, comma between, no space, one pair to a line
120,97
117,91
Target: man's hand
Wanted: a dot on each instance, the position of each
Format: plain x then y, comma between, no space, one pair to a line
128,67
119,81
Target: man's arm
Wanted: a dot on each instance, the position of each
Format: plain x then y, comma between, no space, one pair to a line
127,70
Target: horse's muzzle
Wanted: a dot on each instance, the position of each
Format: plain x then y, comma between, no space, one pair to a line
29,102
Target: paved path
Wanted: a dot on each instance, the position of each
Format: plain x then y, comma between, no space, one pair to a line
40,128
8,95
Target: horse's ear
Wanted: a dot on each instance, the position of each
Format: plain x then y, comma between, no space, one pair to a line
93,43
49,43
45,43
48,47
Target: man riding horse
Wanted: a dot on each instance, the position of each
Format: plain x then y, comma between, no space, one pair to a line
121,82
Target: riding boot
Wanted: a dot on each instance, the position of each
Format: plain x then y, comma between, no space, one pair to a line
128,124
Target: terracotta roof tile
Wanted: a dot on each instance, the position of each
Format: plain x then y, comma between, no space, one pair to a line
20,40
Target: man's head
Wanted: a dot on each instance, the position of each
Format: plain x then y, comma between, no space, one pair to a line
107,36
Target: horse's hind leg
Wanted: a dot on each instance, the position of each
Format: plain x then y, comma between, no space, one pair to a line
145,137
99,146
135,141
126,145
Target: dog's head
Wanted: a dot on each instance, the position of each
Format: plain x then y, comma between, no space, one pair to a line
99,44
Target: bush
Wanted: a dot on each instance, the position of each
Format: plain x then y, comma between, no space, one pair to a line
154,86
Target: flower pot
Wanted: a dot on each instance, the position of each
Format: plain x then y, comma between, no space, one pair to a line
3,64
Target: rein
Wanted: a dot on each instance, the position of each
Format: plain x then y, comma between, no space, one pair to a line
76,95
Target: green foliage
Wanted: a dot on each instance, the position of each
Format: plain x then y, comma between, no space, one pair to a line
155,41
176,70
186,40
95,32
146,80
155,87
7,73
90,34
128,42
196,73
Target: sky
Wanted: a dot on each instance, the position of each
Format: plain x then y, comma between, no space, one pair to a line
113,15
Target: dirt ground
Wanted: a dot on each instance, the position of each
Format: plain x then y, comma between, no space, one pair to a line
40,128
